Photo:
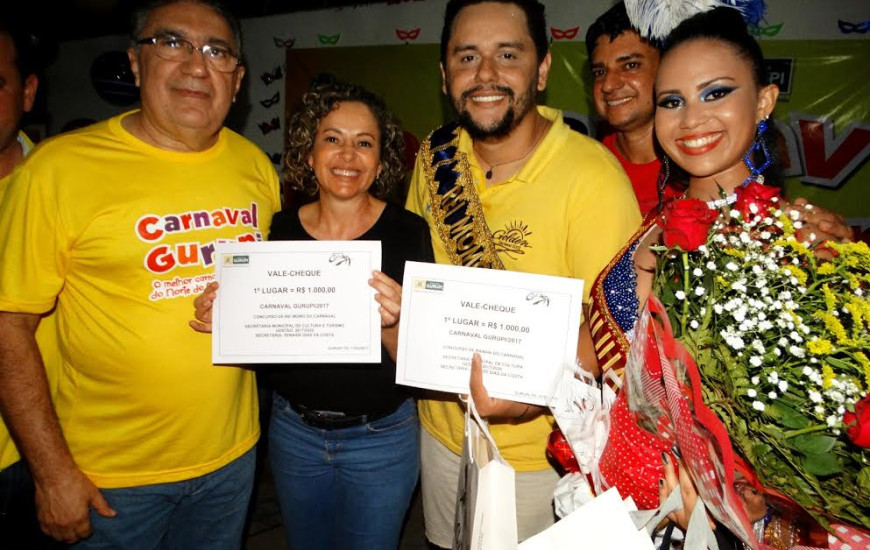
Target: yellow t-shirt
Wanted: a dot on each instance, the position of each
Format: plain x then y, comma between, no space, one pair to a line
46,338
122,235
567,212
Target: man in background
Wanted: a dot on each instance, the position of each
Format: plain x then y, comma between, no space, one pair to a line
18,85
624,66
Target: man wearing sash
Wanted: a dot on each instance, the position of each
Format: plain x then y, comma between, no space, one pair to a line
508,186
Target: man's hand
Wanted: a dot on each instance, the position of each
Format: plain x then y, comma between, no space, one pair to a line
492,408
64,507
63,493
202,308
819,224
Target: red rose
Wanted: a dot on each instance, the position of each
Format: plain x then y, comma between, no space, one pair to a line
755,194
686,223
858,423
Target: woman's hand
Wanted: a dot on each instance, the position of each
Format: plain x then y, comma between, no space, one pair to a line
202,307
388,297
491,407
687,492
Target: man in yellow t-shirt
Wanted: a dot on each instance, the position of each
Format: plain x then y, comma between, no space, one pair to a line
553,202
115,226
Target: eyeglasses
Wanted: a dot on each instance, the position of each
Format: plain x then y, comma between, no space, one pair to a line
172,48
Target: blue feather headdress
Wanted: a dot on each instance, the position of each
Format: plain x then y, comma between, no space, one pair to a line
655,19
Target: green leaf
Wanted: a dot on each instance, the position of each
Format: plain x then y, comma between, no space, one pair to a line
790,418
864,479
839,363
812,444
822,464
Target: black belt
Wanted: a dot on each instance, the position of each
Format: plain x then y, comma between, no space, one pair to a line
333,420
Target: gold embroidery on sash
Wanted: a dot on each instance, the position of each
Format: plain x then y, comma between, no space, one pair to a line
468,241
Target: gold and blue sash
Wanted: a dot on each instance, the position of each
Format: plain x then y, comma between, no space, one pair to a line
455,206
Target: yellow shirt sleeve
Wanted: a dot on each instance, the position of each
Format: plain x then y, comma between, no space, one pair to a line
29,238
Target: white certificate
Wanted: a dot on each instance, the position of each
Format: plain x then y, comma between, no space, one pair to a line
524,326
296,302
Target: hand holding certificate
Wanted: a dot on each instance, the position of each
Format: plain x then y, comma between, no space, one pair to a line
525,327
296,302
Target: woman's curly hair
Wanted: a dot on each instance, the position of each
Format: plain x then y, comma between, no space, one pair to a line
322,97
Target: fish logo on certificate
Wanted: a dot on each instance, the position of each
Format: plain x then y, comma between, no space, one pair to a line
339,258
538,298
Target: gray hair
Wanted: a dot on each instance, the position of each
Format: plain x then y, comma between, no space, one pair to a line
140,18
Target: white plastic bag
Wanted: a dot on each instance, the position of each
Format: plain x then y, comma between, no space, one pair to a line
486,513
582,410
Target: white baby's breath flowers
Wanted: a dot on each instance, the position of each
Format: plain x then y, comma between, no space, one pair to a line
698,272
758,406
680,295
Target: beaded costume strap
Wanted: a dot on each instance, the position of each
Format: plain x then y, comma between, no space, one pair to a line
614,307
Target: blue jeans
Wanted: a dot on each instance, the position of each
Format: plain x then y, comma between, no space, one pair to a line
344,489
203,512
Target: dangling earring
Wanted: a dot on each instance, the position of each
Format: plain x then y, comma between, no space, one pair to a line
758,144
664,175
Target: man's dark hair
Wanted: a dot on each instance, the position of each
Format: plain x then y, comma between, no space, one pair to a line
26,57
611,23
535,20
140,18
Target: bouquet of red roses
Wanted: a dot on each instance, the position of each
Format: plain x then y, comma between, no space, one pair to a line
781,341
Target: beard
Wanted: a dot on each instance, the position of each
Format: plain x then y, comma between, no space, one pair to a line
518,108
